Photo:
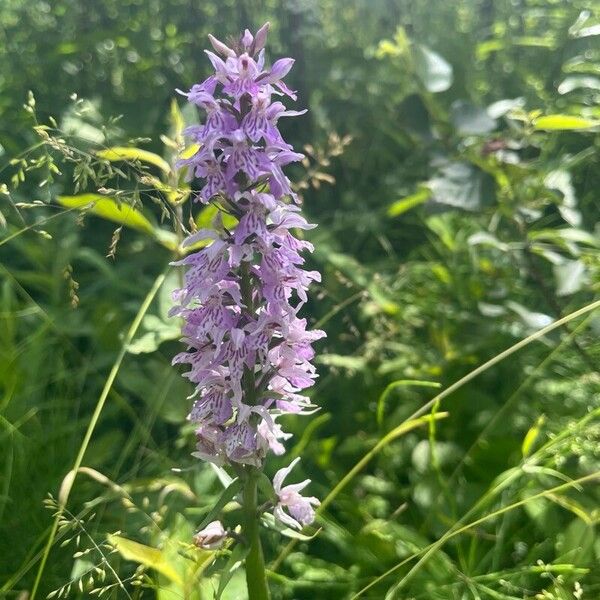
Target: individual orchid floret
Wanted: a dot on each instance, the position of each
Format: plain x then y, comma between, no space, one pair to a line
300,511
212,537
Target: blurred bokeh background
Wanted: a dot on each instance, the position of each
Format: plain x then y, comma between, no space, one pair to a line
453,171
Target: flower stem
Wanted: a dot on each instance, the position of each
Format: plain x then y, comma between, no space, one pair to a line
255,562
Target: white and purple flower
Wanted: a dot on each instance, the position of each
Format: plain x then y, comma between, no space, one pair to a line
248,351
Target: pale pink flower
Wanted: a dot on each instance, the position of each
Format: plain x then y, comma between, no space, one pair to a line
300,508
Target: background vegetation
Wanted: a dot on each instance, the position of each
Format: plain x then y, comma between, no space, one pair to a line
454,174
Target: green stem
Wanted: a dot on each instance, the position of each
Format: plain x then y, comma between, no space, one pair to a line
255,562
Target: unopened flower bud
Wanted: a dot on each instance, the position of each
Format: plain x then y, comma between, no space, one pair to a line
220,47
260,39
212,537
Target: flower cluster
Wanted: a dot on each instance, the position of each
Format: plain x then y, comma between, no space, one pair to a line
249,352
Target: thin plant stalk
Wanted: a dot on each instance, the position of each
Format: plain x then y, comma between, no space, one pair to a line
256,579
67,485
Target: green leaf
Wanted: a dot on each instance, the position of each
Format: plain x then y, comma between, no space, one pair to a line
563,123
155,332
576,543
534,320
226,496
461,185
121,153
145,555
483,238
110,209
433,70
502,107
577,82
570,277
205,217
469,119
567,234
405,204
233,563
531,436
352,363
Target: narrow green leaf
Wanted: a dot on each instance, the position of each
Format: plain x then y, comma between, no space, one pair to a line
234,562
564,123
145,555
121,153
405,204
110,209
226,496
531,436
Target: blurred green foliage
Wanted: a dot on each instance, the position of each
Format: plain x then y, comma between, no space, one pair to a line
463,218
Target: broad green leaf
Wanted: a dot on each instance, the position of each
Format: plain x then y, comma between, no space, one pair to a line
110,209
563,123
405,204
433,70
145,555
576,542
469,119
118,153
155,331
502,107
570,277
462,185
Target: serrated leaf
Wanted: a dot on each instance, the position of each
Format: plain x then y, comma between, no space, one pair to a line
108,208
145,555
123,153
